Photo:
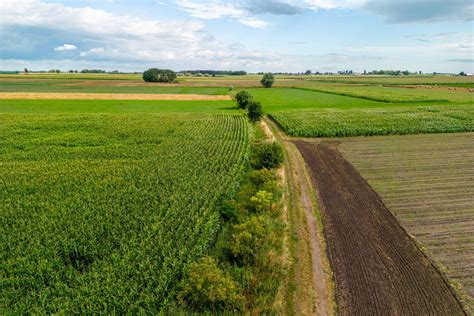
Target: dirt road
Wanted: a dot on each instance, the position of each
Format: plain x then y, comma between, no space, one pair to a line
313,289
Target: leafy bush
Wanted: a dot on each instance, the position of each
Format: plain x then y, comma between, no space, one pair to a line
229,211
267,80
207,287
254,111
243,98
260,177
159,75
262,201
247,238
267,155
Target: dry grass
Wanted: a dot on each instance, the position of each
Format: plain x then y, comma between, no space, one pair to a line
110,96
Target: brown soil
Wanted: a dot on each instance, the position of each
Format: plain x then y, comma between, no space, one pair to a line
110,96
378,268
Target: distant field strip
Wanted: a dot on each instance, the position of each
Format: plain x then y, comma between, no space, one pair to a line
101,213
382,94
378,121
427,181
109,96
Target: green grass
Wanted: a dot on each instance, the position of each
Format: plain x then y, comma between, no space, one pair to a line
101,213
441,80
115,106
281,99
392,94
381,121
69,76
61,87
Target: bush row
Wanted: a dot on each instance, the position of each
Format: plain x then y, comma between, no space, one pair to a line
243,273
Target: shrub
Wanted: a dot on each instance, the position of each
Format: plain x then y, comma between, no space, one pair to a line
267,80
243,98
229,211
207,287
260,177
247,238
159,75
267,155
254,111
262,201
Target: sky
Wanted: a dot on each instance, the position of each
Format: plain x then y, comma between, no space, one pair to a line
258,35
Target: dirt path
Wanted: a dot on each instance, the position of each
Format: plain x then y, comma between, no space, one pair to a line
378,269
313,295
110,96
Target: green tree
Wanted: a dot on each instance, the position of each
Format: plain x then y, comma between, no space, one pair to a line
254,111
267,155
207,287
267,80
243,98
159,75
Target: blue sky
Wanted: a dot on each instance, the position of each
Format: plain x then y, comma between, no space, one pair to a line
258,35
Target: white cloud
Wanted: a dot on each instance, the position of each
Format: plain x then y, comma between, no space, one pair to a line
65,47
334,4
110,39
217,10
93,51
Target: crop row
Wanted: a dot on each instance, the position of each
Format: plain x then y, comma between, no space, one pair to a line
357,122
435,206
104,212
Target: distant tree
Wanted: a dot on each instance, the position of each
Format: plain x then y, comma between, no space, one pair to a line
159,75
26,70
243,98
267,80
462,73
254,111
308,72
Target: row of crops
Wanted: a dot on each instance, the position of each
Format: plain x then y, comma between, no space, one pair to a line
379,121
103,212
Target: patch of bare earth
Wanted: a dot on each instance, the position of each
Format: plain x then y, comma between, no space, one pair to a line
110,96
378,269
427,182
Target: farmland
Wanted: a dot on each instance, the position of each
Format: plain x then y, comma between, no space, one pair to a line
122,182
103,212
427,182
370,254
377,121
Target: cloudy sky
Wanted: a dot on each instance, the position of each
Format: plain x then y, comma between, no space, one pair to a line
252,35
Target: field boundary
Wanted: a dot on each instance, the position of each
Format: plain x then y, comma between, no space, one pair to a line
311,272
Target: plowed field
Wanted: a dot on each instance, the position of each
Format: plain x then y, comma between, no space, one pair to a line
427,181
377,267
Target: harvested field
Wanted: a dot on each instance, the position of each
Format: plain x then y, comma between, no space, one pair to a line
427,181
109,96
378,268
